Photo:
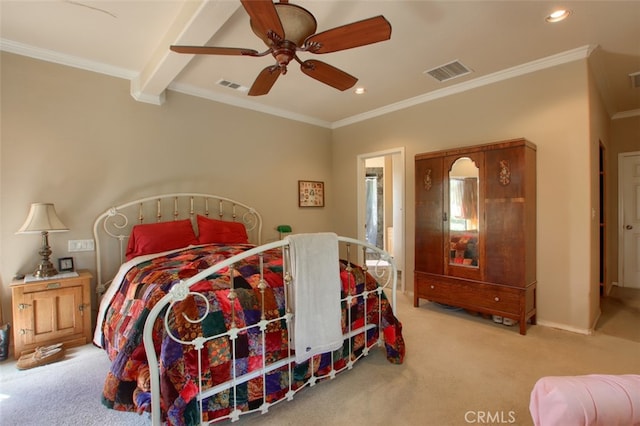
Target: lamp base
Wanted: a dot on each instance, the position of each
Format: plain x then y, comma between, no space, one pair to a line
45,269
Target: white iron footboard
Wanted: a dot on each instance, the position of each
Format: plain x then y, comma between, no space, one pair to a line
383,269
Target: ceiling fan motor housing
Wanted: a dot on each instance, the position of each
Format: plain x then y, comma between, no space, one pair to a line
284,53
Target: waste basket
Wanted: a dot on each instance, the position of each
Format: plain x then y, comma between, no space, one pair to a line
4,341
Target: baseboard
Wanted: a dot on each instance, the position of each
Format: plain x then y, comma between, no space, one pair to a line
595,322
565,327
552,324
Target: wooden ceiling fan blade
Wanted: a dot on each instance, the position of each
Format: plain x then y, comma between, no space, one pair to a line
264,17
210,50
265,81
361,33
328,74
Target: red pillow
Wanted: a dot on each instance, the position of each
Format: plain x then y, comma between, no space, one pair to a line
211,231
158,237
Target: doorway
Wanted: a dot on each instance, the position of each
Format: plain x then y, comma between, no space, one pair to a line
381,203
620,308
629,220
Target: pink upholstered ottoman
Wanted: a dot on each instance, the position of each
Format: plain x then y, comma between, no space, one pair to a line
596,399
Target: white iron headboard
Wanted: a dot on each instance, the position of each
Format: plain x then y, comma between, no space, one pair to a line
112,228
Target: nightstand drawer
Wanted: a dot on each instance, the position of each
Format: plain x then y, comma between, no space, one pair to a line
37,286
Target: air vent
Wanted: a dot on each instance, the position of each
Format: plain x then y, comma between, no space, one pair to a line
232,85
635,79
449,71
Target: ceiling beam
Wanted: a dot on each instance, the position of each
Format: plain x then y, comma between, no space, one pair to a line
197,22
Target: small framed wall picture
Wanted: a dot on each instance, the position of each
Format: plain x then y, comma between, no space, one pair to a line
65,264
310,193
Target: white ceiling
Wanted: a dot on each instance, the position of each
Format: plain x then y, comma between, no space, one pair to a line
496,39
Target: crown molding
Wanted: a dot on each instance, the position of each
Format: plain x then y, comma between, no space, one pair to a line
62,59
626,114
101,68
246,104
75,62
529,67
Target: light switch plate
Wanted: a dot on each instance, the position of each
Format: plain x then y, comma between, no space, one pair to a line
81,245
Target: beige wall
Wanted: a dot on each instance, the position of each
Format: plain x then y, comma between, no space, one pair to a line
599,133
78,139
549,108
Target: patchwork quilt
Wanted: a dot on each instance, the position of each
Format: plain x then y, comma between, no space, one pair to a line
127,384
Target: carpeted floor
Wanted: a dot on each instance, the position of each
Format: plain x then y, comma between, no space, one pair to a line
458,367
621,313
63,393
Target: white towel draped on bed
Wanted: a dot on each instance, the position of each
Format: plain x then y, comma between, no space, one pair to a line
316,294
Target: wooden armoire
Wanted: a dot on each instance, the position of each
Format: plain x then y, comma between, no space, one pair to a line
475,236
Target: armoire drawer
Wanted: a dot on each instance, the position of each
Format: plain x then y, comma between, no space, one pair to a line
434,290
469,294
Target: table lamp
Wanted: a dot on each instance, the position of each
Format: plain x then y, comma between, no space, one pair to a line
43,219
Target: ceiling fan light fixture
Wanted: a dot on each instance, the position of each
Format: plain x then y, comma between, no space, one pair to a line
297,22
558,15
286,29
360,91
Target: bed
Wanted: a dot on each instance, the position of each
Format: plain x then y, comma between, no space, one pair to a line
206,324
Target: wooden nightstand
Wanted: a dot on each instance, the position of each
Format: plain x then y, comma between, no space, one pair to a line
51,311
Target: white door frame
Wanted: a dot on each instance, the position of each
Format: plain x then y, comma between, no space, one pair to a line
621,215
398,162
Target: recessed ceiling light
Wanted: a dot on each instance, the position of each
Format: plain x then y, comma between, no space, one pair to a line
558,15
360,90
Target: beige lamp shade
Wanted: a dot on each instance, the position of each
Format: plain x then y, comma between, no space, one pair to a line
42,217
297,22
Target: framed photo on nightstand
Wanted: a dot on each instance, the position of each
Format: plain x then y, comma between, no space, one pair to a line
65,264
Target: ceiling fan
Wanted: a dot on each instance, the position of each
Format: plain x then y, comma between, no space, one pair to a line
287,29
